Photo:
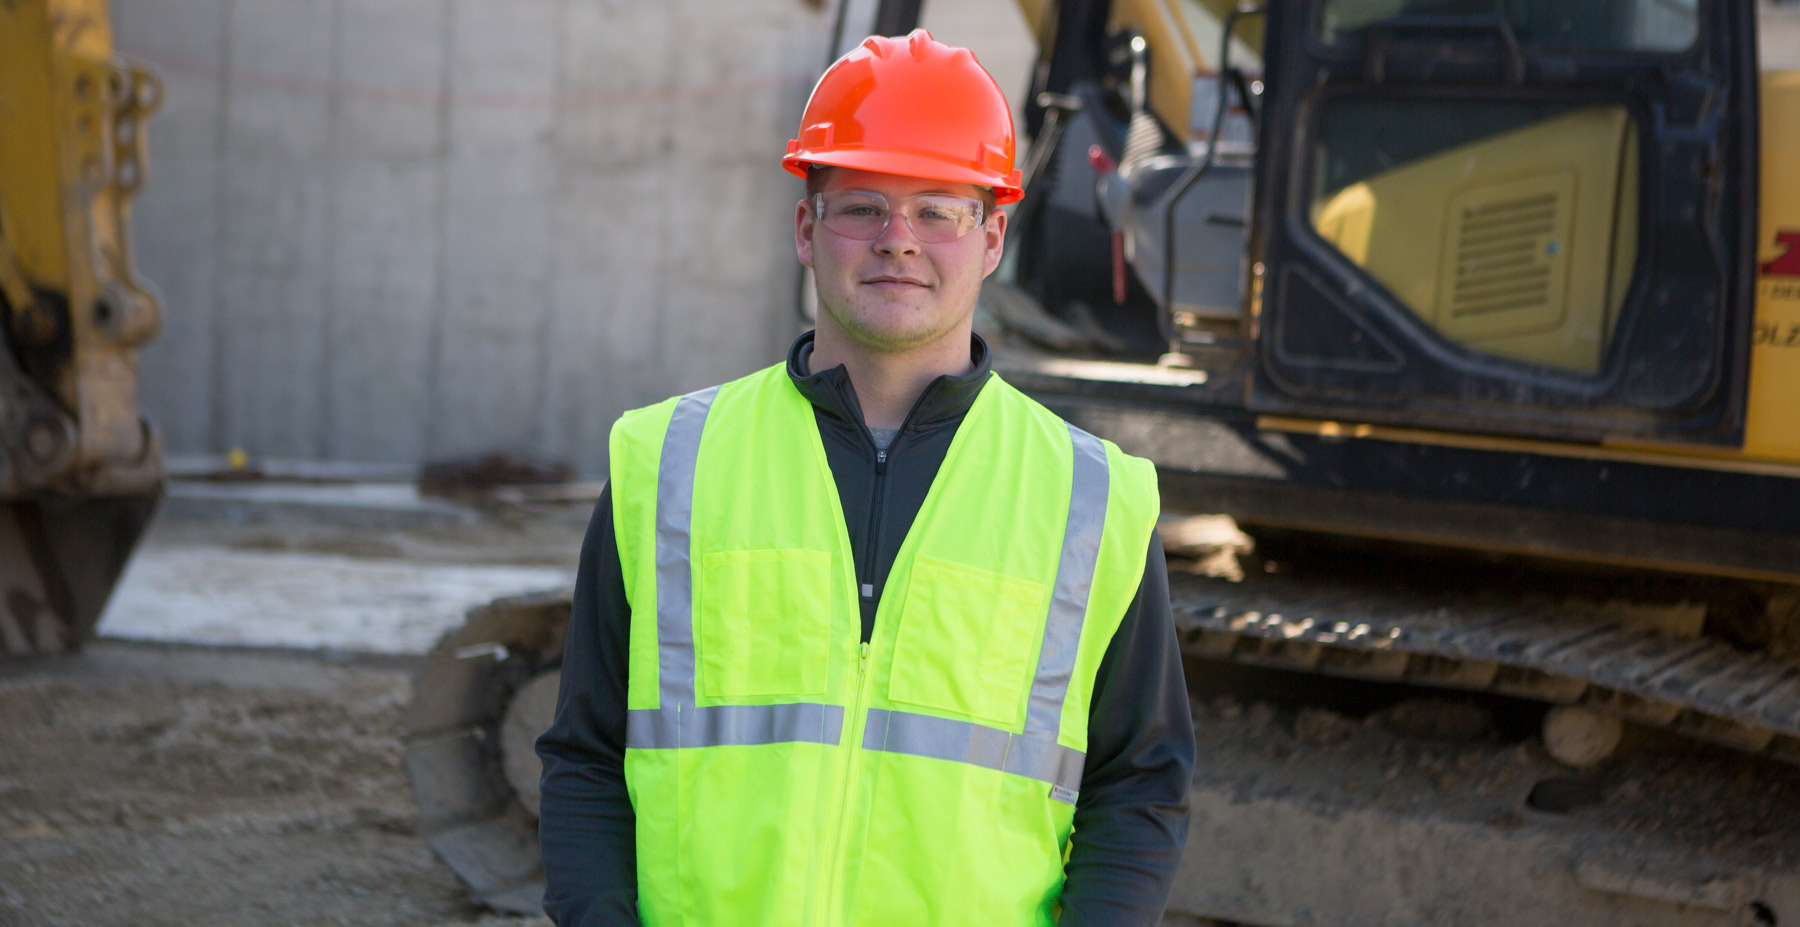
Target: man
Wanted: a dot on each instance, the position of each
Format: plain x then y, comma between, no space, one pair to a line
869,637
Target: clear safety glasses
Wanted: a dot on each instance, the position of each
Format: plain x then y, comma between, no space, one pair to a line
864,214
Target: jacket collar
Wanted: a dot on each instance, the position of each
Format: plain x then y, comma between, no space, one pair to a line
946,398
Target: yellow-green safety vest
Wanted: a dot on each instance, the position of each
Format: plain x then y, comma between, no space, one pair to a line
785,773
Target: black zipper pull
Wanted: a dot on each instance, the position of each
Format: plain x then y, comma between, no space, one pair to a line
881,461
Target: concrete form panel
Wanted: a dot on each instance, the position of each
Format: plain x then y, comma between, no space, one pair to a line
732,280
184,42
739,96
176,369
607,304
488,360
383,307
619,65
274,227
435,227
390,85
281,61
495,292
387,238
503,73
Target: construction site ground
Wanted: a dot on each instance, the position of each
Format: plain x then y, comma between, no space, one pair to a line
228,752
244,766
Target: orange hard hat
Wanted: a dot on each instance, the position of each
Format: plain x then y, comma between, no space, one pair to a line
914,107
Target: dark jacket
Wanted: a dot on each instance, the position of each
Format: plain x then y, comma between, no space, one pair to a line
1131,818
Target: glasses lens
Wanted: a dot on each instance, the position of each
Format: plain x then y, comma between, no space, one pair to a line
853,213
938,218
863,215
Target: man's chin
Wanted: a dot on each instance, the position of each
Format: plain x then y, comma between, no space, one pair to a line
894,338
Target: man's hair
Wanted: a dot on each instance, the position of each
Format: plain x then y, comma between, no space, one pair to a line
815,183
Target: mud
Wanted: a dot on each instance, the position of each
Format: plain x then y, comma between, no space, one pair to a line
147,785
1446,756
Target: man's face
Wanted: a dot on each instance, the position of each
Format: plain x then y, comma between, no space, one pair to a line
896,292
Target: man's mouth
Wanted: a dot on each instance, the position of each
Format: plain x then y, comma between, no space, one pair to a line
896,281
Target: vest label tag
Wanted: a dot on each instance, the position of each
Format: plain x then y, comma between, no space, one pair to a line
1063,794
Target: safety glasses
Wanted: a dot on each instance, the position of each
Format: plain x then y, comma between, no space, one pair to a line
864,214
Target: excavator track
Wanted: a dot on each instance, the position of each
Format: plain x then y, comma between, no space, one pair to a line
1560,652
472,812
488,686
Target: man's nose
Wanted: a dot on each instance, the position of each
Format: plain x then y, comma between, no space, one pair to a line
898,237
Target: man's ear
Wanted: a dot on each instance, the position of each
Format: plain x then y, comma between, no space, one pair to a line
803,232
994,238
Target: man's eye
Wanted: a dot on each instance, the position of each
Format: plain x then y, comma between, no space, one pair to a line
859,210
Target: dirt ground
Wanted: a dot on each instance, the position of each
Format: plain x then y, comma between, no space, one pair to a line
147,785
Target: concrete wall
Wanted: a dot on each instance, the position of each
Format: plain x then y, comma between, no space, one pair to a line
395,230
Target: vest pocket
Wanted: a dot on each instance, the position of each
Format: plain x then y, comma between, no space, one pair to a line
764,621
966,641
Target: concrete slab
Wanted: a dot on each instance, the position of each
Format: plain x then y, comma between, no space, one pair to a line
219,596
385,506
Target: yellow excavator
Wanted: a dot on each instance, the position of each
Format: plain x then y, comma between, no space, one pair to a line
80,468
1482,318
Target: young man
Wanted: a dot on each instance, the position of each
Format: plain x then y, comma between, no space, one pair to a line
869,637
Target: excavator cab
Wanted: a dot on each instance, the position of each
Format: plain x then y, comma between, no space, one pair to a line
1514,218
1525,218
1521,227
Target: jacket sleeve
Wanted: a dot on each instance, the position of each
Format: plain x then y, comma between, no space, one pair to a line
1131,819
586,825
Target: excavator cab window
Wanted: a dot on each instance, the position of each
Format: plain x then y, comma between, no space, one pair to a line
1631,25
1510,229
1512,216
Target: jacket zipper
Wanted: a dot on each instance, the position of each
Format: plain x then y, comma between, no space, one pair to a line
877,508
852,735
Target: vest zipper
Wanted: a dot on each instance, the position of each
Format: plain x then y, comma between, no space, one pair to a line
852,731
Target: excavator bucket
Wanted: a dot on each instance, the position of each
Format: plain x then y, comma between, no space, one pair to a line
59,561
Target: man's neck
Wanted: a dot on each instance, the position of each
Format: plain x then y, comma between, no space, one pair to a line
888,384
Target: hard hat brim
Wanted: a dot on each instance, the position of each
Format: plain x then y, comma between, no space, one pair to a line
907,164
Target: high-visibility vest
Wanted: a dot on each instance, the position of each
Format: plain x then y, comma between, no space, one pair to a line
785,773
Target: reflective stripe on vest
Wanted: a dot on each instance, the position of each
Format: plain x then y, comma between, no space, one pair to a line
1034,754
678,722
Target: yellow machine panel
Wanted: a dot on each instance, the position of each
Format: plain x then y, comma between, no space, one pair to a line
1519,245
71,158
1773,427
